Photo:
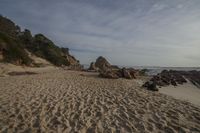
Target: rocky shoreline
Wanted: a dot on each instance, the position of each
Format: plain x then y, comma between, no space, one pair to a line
173,77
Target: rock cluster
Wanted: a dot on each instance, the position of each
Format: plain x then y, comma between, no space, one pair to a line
106,70
174,78
109,74
119,73
192,76
166,78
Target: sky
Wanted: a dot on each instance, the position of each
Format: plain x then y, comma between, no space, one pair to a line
126,32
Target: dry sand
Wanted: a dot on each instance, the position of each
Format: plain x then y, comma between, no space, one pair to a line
187,92
67,101
6,68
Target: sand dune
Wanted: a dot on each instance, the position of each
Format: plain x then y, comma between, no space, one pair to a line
67,101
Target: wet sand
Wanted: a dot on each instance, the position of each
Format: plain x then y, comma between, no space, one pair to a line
68,101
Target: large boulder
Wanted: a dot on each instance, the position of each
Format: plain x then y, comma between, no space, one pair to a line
102,63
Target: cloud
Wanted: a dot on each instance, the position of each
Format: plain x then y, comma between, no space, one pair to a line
130,32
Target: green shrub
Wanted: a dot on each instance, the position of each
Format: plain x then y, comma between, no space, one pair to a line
13,51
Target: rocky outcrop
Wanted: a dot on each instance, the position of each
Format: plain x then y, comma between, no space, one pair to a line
107,70
119,73
92,67
102,63
175,78
109,74
166,78
193,76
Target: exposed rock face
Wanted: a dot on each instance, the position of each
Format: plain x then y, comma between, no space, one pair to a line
92,67
102,63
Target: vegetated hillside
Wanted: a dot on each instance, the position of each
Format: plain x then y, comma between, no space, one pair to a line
12,51
14,43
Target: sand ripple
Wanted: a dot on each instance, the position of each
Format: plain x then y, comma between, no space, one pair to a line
69,102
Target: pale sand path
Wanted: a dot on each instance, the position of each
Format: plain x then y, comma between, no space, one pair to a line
187,92
67,101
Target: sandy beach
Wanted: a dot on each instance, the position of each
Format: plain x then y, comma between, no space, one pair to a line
69,101
187,92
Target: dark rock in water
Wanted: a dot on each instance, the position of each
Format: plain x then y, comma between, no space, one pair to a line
151,85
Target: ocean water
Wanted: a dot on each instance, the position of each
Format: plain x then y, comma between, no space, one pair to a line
153,70
156,70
